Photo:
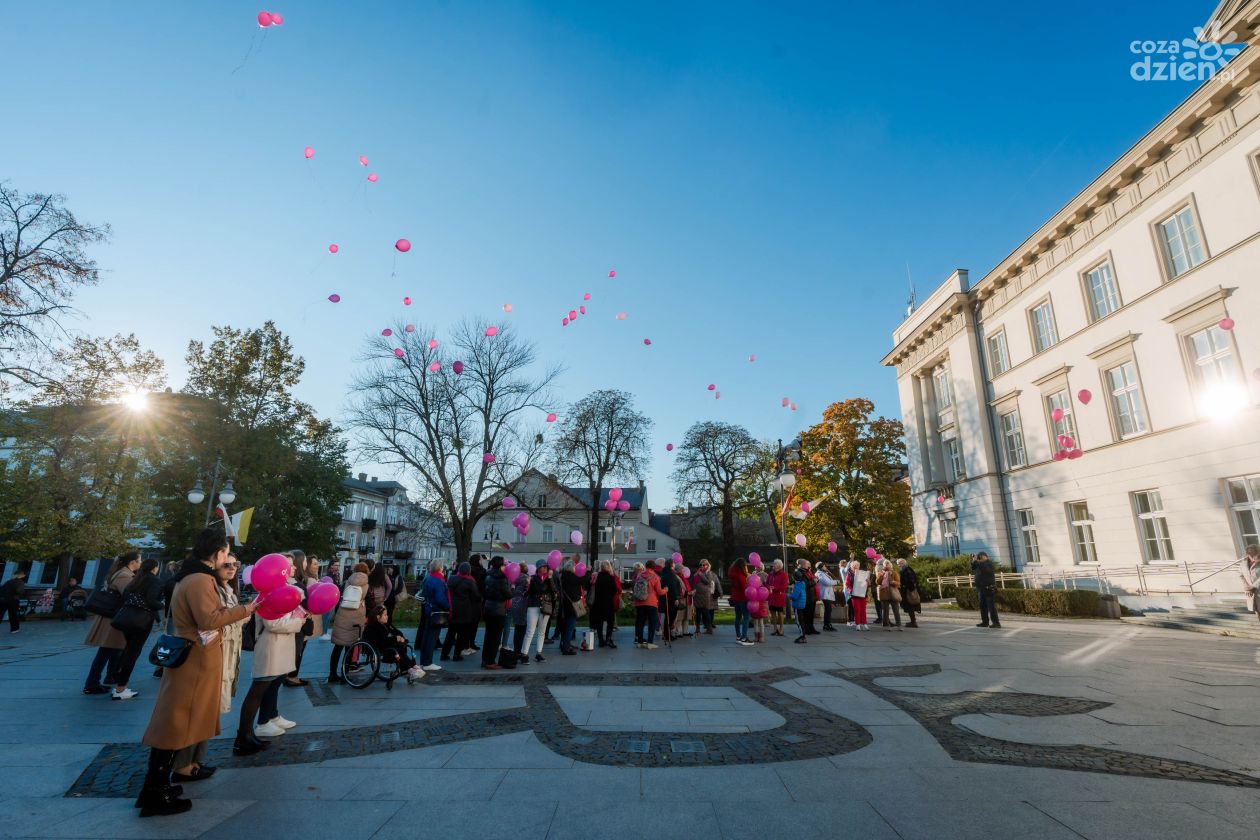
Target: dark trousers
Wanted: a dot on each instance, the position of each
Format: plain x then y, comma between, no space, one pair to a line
518,638
102,666
460,638
494,635
127,660
704,618
988,607
11,607
645,619
429,641
604,627
827,605
334,661
568,627
879,611
849,606
300,641
807,619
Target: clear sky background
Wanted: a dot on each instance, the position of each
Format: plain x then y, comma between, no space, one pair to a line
758,174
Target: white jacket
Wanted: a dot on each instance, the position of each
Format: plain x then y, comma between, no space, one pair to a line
275,648
826,585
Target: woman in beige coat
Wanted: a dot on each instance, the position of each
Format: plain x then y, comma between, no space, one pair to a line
275,653
187,707
350,619
109,643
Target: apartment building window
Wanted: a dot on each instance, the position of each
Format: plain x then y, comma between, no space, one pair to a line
341,537
1013,437
956,466
1148,506
1082,532
651,545
1181,242
1128,415
1041,322
542,501
1101,291
949,537
605,536
1213,356
1244,502
549,533
1028,535
999,357
1066,424
943,390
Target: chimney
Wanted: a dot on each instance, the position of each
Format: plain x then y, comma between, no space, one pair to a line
373,479
640,485
362,476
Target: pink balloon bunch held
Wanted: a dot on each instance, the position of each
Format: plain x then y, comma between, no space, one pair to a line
754,560
270,573
322,597
871,554
280,602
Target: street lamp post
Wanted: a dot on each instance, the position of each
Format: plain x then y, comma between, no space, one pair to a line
227,495
785,481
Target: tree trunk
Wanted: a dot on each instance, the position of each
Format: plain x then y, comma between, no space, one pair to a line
63,568
592,540
463,545
728,532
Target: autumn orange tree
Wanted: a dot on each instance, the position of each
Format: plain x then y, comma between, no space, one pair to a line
853,463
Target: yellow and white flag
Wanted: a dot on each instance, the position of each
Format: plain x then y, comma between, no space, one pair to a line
237,525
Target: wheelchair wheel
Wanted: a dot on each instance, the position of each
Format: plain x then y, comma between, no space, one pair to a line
360,665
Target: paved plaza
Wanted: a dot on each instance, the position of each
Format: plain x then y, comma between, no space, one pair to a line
1044,729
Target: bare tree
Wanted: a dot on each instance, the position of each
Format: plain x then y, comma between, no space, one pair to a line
41,263
712,464
416,412
603,437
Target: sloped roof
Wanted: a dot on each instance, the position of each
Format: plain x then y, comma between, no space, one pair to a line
385,488
633,495
661,522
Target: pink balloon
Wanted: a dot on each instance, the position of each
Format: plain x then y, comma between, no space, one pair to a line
322,597
491,332
623,506
1059,454
580,570
669,447
564,322
754,607
276,19
752,357
575,537
488,458
1226,324
264,19
435,367
582,309
1084,396
280,602
754,579
398,351
572,314
800,540
805,508
403,245
512,571
686,573
750,592
410,328
554,559
247,574
831,546
326,579
784,402
507,307
334,298
1056,415
647,342
387,332
458,367
586,296
407,301
754,558
433,343
940,500
615,493
763,594
333,248
870,553
1074,454
792,406
612,273
621,316
533,570
712,386
610,505
308,152
676,557
551,417
271,572
372,177
362,160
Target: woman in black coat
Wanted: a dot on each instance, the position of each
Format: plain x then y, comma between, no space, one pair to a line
142,600
604,603
570,594
465,613
498,594
909,583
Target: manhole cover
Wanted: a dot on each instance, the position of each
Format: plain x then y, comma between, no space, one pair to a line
794,739
626,745
687,746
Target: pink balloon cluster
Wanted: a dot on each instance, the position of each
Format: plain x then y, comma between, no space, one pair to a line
754,560
322,597
758,597
521,523
266,19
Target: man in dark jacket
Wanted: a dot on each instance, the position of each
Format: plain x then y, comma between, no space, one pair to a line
465,613
985,579
669,601
10,594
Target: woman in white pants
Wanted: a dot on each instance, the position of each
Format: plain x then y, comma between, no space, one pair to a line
541,606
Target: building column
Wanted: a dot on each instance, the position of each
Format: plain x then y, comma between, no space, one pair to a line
920,422
935,449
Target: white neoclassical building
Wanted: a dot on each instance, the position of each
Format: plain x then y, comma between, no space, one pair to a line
1144,291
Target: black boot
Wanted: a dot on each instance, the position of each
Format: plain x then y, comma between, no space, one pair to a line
158,797
248,745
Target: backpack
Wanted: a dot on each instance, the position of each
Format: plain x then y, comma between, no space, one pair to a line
641,588
352,597
798,595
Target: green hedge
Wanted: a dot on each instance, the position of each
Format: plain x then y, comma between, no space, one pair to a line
1060,602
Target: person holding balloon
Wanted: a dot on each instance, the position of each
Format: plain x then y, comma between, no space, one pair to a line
519,612
777,587
827,592
758,610
570,597
275,650
186,711
738,577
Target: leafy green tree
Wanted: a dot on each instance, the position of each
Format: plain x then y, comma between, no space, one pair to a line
715,459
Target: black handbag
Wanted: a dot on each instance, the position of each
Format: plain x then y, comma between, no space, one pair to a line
105,602
133,616
249,634
441,618
170,651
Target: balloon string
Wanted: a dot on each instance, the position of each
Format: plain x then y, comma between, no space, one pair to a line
253,42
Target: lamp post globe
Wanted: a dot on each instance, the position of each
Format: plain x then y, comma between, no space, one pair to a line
228,494
196,495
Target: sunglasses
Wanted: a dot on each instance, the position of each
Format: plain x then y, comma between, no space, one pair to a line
231,565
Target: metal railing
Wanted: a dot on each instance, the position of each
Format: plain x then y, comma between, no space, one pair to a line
1141,579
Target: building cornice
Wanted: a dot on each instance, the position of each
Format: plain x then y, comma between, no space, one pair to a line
944,312
1189,307
1061,371
1114,344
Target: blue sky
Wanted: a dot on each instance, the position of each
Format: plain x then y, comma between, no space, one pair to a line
758,174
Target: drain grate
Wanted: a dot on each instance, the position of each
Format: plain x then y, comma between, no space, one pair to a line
687,746
627,745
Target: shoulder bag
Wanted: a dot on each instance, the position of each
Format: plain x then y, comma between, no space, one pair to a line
579,607
133,616
105,602
169,651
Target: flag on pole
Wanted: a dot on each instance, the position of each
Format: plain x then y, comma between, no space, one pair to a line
787,504
236,525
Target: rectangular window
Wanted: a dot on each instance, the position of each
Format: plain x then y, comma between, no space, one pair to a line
605,536
1126,400
1213,356
949,536
944,396
1181,243
1082,532
341,537
999,358
1244,503
651,545
1028,535
954,451
1100,288
1148,506
549,533
1066,424
542,501
1041,320
1013,437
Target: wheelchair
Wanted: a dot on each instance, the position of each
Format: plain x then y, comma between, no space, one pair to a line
362,665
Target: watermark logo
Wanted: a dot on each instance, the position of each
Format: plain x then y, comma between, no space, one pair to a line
1197,59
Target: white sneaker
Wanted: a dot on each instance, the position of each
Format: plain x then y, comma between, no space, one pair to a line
468,652
327,637
415,672
125,694
432,667
649,646
282,723
268,730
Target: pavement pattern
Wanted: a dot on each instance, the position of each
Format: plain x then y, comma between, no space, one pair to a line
1049,729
